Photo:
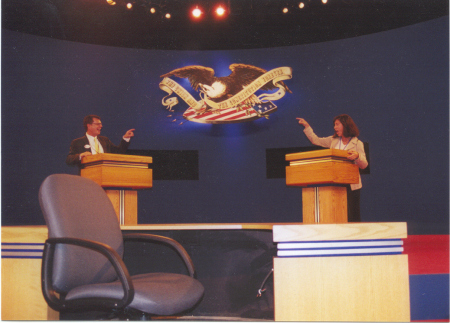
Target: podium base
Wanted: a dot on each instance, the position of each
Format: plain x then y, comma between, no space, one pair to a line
125,205
360,288
324,204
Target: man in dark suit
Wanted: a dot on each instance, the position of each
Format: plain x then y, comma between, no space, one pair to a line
92,143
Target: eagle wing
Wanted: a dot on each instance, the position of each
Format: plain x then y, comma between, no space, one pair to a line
195,74
242,75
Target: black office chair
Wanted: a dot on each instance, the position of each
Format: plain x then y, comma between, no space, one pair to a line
82,266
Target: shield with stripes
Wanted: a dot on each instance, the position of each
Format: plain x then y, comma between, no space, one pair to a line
238,113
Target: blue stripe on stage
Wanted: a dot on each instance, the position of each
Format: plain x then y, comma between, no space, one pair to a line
21,257
18,250
342,248
322,241
429,295
346,255
22,244
339,248
22,250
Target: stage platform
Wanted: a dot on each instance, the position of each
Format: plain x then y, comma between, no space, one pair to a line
232,261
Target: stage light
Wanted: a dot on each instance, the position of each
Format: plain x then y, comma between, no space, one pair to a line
301,5
285,10
110,2
196,13
129,5
152,10
220,11
324,1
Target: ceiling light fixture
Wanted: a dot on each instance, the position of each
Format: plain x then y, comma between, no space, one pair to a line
220,11
196,13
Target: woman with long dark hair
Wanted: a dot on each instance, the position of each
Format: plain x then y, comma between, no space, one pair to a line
345,138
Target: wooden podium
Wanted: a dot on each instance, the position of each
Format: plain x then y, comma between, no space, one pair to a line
121,176
351,272
22,299
313,170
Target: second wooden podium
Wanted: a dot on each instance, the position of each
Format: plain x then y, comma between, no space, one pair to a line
347,272
121,176
322,173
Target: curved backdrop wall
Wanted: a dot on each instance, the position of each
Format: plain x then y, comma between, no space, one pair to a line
394,84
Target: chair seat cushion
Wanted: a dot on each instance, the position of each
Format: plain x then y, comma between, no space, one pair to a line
155,293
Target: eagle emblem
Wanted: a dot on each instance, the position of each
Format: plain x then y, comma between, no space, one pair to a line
229,98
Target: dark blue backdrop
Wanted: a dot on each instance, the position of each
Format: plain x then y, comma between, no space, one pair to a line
394,84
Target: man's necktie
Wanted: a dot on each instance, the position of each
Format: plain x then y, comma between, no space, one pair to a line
97,148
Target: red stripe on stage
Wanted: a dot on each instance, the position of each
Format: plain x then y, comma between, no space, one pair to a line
427,254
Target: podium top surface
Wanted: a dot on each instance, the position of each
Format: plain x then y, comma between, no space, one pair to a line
341,231
116,158
322,153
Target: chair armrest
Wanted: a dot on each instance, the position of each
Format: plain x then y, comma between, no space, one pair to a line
50,294
164,240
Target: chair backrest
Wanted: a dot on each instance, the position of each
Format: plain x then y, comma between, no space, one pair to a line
77,207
